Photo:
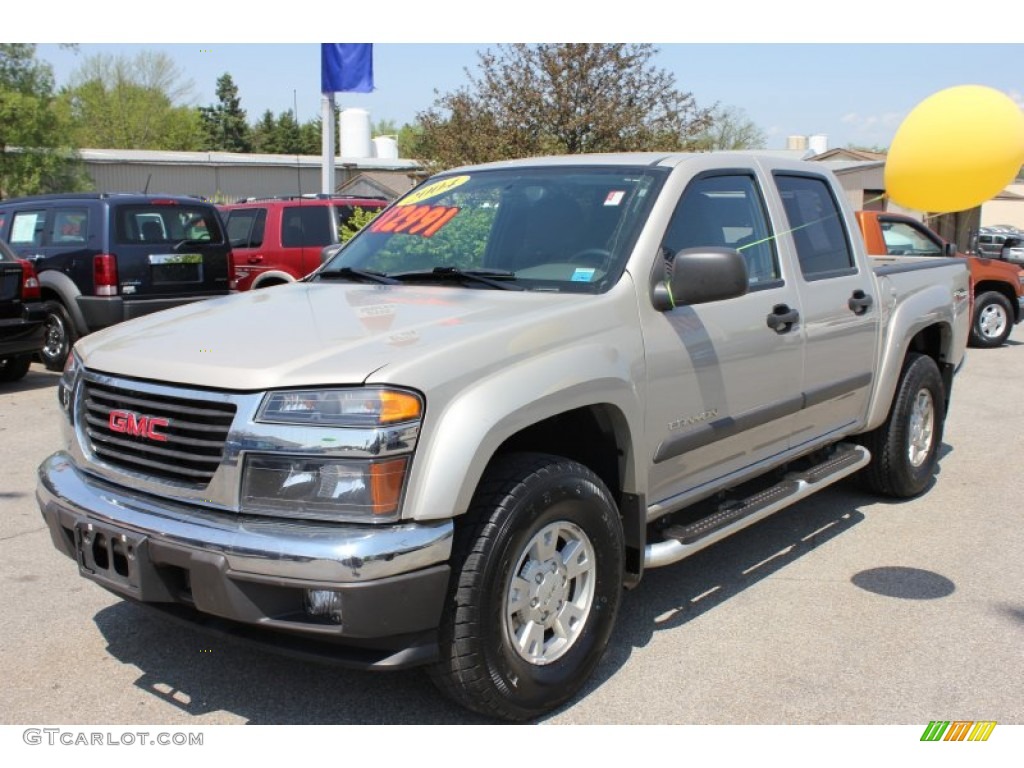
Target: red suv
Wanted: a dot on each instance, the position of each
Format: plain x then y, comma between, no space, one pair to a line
279,240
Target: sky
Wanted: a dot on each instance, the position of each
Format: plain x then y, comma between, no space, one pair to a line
850,73
854,93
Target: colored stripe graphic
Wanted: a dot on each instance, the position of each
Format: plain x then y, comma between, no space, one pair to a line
982,730
958,730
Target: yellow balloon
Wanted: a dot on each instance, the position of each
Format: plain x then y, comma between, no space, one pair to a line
955,150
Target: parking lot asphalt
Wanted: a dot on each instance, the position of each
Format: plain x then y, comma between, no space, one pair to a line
844,609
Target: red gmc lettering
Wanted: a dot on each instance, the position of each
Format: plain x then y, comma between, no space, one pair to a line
130,423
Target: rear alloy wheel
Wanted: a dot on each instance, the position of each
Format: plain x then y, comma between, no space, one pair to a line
60,336
993,320
14,368
536,583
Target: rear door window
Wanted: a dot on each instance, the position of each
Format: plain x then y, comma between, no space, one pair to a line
246,226
816,225
70,226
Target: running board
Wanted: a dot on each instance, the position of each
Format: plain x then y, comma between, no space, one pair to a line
681,541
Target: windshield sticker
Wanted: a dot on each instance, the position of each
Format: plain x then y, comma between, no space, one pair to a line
424,220
614,197
583,274
433,190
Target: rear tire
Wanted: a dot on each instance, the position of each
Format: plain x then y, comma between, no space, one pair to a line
60,336
905,449
14,368
993,320
536,582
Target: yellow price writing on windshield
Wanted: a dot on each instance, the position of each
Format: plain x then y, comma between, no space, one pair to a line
433,190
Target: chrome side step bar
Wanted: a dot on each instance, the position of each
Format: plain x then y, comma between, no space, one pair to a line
681,541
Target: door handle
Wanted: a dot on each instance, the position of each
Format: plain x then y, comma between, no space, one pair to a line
782,318
255,259
860,302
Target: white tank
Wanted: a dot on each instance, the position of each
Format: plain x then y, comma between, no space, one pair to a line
818,143
355,133
385,147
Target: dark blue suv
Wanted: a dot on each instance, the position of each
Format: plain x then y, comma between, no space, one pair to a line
103,257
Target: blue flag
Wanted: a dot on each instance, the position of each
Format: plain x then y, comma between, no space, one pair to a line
346,67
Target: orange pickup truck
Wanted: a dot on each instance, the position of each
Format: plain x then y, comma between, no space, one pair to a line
998,286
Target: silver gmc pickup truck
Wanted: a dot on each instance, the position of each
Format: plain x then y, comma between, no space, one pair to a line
521,386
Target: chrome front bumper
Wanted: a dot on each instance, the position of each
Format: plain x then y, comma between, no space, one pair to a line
391,579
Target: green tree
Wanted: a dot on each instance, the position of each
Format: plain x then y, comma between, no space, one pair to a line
35,155
224,123
132,103
560,99
730,128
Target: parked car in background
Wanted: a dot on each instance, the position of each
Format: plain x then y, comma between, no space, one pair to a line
998,287
279,240
21,315
1000,242
107,257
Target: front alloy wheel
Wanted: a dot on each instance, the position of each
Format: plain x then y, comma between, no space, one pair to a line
537,570
551,593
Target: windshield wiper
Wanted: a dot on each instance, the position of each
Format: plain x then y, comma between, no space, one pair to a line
493,278
351,273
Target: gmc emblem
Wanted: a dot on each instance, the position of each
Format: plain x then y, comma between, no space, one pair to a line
129,423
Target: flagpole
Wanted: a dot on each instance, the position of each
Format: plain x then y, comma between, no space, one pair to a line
327,143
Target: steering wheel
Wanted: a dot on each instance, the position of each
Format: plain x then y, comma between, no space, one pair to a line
595,257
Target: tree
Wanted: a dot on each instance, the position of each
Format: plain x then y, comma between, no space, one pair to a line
132,103
35,155
730,128
560,99
224,123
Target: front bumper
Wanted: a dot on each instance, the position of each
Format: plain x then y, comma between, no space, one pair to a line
391,580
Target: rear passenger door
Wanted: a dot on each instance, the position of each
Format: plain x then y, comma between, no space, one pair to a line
838,311
305,230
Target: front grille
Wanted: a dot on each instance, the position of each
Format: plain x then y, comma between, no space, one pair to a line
125,428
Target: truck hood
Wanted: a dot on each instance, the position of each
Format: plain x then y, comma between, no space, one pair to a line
306,334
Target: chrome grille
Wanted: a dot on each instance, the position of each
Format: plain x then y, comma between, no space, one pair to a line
125,428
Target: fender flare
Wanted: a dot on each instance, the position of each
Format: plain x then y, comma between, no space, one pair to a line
68,293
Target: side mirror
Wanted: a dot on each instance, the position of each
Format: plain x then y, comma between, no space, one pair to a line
328,252
699,276
949,249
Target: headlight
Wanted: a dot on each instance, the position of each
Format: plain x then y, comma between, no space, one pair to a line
66,384
357,407
350,490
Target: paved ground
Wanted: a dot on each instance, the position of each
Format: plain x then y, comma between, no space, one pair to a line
842,610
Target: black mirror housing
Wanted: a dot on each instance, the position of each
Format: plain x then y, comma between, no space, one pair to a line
699,276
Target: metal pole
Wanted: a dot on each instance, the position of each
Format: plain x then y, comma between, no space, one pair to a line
327,143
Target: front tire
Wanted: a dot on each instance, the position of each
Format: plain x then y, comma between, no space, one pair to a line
537,579
993,320
905,449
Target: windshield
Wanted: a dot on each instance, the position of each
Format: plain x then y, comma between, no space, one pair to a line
559,228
